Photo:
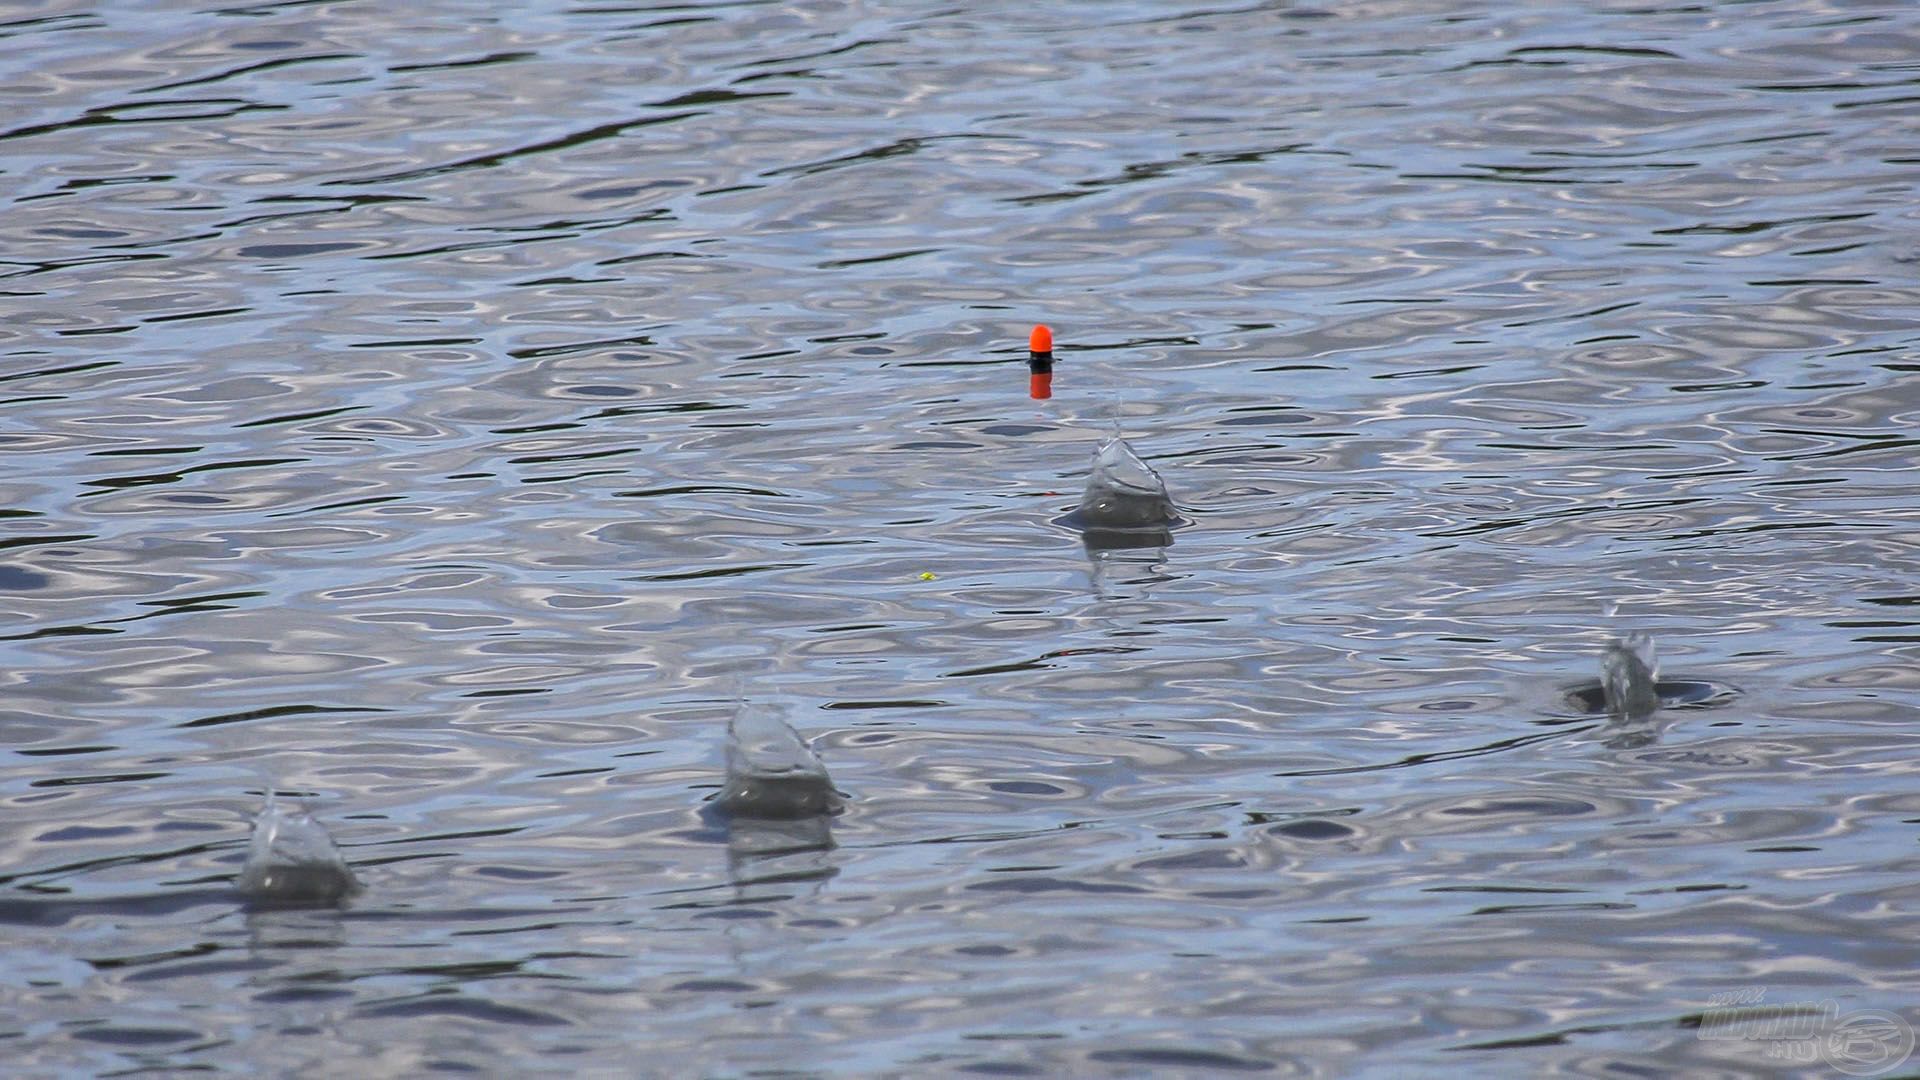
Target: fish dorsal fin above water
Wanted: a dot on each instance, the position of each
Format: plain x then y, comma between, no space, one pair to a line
771,771
1629,676
1123,491
292,859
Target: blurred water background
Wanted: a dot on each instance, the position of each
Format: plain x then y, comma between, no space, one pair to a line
441,411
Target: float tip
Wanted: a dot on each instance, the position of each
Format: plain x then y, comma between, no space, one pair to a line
1040,364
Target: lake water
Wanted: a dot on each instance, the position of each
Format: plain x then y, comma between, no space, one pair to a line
445,412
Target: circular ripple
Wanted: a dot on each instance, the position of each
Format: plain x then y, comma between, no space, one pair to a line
1588,697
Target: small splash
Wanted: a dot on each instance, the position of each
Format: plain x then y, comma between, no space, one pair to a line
772,773
1126,504
1123,491
292,861
1629,677
1631,692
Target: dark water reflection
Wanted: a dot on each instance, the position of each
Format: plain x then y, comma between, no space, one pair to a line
430,409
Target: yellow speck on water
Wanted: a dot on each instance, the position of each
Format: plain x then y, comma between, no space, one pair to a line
927,575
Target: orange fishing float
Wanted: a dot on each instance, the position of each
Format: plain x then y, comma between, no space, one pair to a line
1040,364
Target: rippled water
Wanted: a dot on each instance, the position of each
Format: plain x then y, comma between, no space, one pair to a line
443,410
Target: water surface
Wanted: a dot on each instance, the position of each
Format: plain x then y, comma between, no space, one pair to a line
441,412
